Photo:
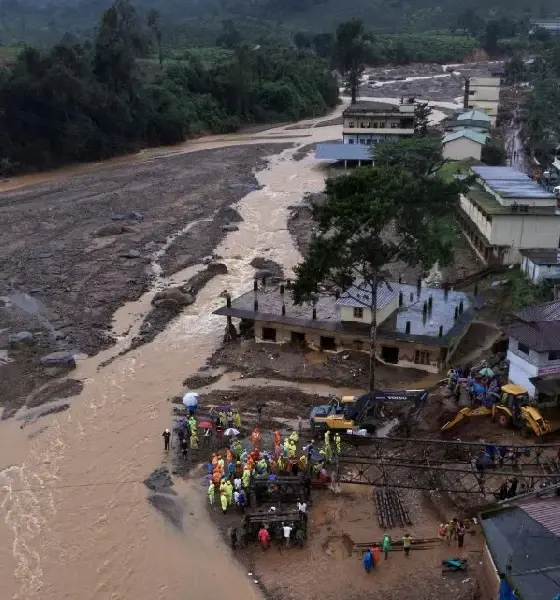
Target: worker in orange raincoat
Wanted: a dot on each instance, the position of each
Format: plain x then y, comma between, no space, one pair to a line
229,456
277,438
256,438
214,460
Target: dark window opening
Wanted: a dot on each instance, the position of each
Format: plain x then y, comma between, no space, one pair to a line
269,334
298,338
390,354
554,355
328,343
358,345
358,313
524,349
350,141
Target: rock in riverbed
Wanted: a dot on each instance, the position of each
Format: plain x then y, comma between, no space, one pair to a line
229,228
172,298
59,359
22,338
131,254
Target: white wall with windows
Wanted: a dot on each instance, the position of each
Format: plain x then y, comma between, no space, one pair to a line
525,363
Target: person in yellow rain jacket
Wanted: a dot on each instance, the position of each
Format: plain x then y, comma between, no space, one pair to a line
211,493
303,462
292,449
294,437
221,464
286,446
237,420
224,502
194,442
223,486
327,437
229,492
246,479
327,450
337,442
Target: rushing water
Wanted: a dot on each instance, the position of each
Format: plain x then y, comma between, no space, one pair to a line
75,522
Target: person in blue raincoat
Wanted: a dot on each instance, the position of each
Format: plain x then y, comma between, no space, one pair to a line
368,561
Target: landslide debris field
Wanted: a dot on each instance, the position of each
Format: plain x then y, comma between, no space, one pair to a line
74,249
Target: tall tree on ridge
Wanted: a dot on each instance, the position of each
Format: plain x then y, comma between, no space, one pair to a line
350,54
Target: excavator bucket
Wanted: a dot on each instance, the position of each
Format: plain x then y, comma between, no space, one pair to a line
466,413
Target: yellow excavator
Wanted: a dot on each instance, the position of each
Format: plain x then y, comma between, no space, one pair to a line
512,410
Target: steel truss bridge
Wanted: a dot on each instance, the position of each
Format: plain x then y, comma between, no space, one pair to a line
446,466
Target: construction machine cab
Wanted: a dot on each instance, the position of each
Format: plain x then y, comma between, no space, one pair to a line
508,410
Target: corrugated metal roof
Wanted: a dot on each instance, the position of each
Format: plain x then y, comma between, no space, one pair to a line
340,151
541,337
541,256
509,182
545,512
549,311
475,136
474,115
525,550
360,295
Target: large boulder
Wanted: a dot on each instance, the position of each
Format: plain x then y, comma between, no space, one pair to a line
217,268
131,254
22,338
172,298
113,229
228,228
128,216
59,359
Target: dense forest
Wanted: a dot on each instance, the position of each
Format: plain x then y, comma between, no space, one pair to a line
197,22
89,101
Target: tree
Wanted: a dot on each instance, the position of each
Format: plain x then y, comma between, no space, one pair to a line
470,22
229,37
350,54
420,155
154,23
422,114
372,218
491,36
493,152
514,70
323,43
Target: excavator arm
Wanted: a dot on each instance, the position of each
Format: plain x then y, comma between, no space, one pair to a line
365,404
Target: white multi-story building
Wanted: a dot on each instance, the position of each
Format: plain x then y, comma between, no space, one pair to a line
534,351
504,212
368,123
484,93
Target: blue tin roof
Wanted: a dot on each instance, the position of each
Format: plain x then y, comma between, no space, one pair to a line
509,182
340,151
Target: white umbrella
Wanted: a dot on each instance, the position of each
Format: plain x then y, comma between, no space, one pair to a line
231,431
190,399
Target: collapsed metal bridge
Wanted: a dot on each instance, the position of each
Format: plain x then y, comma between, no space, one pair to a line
447,466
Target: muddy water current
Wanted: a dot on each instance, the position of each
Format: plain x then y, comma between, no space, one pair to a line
74,519
75,522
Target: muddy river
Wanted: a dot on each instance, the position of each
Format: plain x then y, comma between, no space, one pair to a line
74,520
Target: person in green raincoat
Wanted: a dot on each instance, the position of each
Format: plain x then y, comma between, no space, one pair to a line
294,437
211,493
229,492
327,437
337,442
237,420
327,450
194,442
246,479
192,425
222,417
386,545
224,502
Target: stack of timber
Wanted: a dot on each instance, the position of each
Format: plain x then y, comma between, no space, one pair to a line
390,508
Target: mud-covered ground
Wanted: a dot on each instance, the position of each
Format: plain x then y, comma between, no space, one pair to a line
73,250
446,86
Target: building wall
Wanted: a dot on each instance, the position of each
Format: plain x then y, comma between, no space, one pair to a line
536,273
488,579
347,312
408,352
365,138
523,366
461,149
477,216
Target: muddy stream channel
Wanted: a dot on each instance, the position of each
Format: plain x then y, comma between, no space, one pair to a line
75,522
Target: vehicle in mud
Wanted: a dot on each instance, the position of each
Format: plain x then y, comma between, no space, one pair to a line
365,412
319,414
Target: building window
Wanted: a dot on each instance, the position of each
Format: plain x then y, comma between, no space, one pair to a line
269,334
554,355
298,338
394,125
328,343
351,124
523,348
362,141
421,358
368,142
382,125
350,141
358,345
375,125
358,313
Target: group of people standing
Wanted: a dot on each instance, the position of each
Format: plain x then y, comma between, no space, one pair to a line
372,555
453,531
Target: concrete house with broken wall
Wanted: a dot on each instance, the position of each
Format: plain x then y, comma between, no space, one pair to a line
417,326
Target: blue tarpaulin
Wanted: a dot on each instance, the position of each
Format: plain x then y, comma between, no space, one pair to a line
506,591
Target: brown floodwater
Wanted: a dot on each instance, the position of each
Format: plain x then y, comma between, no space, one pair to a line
74,519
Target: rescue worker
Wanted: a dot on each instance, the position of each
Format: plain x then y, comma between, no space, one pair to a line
256,438
192,425
277,438
294,437
184,447
237,420
292,449
194,442
327,437
386,545
211,493
286,446
221,464
337,442
246,478
166,437
224,502
223,487
229,492
303,462
368,561
264,538
229,456
376,554
327,450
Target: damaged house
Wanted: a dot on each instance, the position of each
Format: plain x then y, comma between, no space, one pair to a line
416,326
